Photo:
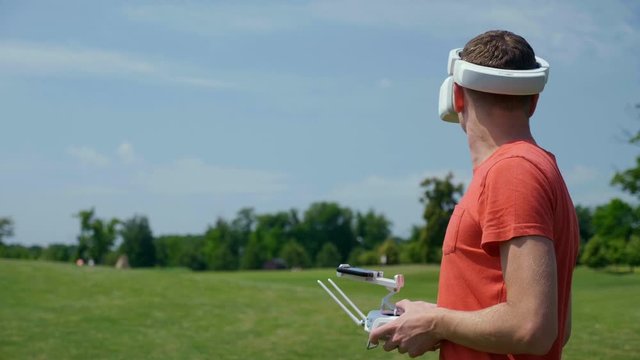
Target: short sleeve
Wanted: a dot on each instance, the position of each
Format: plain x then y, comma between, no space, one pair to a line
516,200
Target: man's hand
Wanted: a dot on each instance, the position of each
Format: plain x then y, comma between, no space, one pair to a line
412,332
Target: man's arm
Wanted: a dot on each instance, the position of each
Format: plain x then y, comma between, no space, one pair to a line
526,323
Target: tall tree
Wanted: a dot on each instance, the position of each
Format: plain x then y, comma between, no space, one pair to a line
220,249
274,230
389,252
371,229
254,254
629,179
614,225
585,217
295,255
137,242
181,250
328,222
617,219
328,256
439,198
96,236
6,228
410,252
243,226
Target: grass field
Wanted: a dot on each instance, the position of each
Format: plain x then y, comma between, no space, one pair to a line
59,311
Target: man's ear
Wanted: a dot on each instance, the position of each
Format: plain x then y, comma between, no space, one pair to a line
533,104
458,97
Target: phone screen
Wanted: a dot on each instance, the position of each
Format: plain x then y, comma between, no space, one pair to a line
358,272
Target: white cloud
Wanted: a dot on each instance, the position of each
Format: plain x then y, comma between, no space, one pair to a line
204,82
384,83
219,18
194,176
88,156
380,13
47,59
126,153
601,29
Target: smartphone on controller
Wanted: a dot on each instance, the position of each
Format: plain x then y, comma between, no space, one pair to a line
356,271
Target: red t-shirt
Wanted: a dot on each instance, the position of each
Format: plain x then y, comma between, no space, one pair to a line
517,191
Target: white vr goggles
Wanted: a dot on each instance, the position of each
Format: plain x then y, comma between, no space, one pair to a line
487,79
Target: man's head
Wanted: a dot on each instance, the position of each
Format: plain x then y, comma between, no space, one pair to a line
502,50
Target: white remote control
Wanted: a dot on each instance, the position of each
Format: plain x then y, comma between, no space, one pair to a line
375,318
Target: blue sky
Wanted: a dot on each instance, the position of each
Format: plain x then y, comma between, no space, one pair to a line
185,111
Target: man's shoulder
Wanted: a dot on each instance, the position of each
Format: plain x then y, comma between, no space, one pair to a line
526,150
522,155
520,167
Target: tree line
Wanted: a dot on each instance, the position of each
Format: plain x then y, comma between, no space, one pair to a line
325,234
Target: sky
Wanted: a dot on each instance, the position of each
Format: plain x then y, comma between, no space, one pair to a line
186,111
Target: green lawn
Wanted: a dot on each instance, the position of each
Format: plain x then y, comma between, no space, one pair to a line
59,311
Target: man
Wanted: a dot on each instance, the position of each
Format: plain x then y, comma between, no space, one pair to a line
512,241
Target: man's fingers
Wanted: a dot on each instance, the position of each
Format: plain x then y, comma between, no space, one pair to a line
390,345
401,305
413,354
383,332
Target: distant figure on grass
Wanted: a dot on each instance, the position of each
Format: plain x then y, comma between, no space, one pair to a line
512,241
123,262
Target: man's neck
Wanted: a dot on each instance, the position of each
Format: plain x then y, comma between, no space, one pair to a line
485,137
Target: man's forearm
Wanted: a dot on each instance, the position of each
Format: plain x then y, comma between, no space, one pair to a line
500,329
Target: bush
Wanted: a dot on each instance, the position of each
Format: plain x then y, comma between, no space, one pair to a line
180,251
59,252
603,251
295,255
633,251
111,258
369,258
16,251
594,253
137,242
354,255
389,252
328,256
253,256
410,253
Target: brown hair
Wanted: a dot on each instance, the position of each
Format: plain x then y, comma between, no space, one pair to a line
503,50
500,49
